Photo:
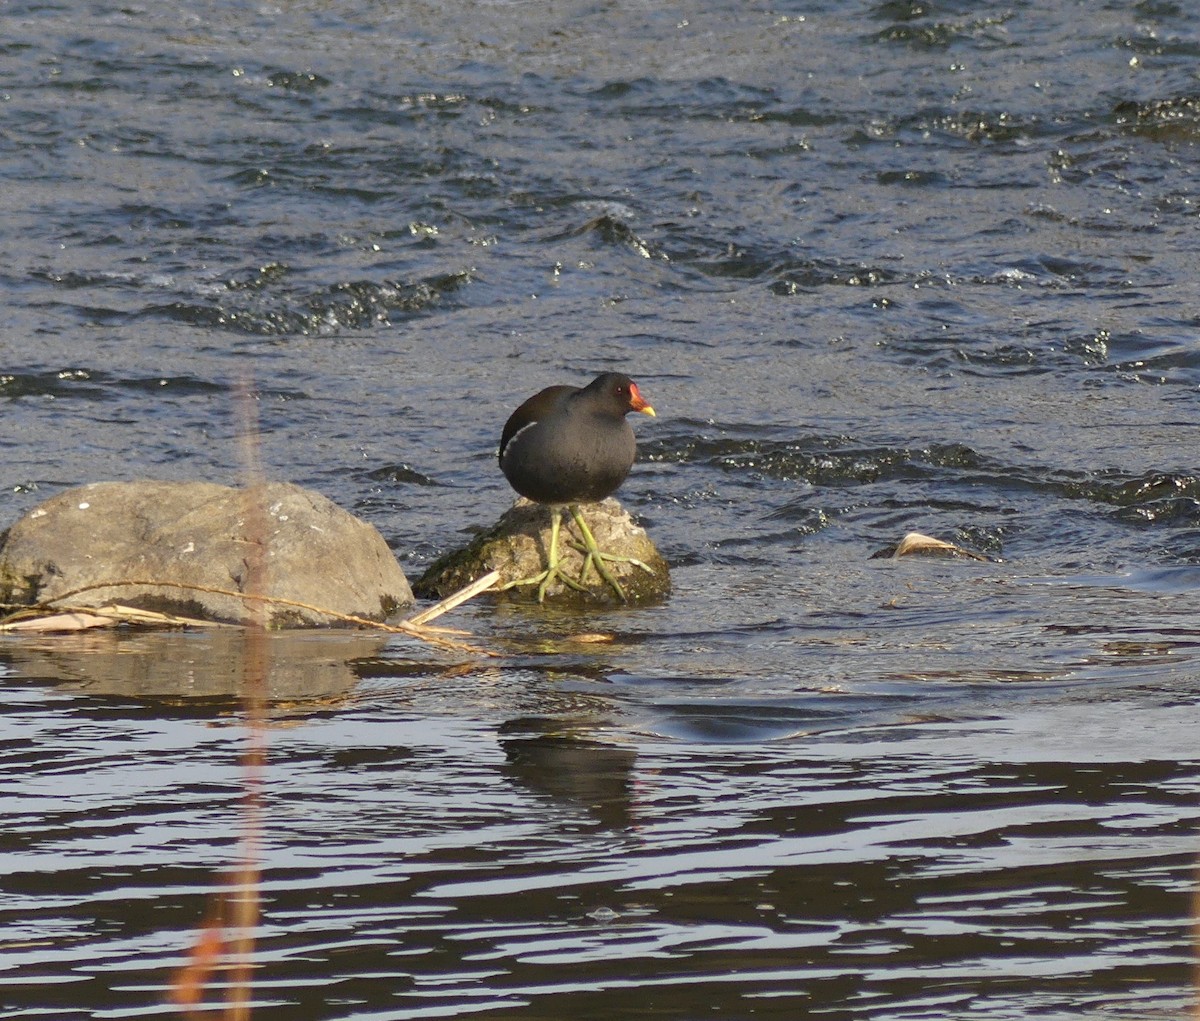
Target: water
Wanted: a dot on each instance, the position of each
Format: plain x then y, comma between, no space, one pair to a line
879,267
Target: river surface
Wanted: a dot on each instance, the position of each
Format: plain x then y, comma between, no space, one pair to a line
880,267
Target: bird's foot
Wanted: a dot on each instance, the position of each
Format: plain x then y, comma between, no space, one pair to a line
544,581
597,558
594,556
599,555
552,571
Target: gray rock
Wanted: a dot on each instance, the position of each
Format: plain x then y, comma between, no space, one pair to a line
201,534
516,547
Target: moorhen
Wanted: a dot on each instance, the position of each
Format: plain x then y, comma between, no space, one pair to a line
568,445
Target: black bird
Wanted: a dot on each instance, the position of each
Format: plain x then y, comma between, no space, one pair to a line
568,445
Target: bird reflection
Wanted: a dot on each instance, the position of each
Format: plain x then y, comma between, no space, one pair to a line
576,771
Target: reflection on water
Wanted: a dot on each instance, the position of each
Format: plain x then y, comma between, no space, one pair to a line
575,770
208,664
461,839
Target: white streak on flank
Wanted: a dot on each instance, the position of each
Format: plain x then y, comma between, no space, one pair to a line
513,438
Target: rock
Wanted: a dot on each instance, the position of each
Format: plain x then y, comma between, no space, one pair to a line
516,547
202,534
916,544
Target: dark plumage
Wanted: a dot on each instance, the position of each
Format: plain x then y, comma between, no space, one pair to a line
569,445
566,446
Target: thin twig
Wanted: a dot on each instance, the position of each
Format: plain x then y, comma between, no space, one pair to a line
453,600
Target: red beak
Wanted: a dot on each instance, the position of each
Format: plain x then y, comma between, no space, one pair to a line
638,403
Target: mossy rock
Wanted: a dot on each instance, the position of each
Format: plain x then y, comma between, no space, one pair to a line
517,546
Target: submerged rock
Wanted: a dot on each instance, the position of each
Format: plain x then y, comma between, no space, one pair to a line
204,535
916,544
517,544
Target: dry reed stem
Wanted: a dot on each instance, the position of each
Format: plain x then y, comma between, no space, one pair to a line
187,988
432,635
227,938
246,896
1196,942
33,620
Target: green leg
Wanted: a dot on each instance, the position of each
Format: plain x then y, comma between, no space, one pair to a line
595,556
552,571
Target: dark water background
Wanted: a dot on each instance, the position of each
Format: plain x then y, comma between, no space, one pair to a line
879,266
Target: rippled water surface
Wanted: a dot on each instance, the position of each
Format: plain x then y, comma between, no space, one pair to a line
880,267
